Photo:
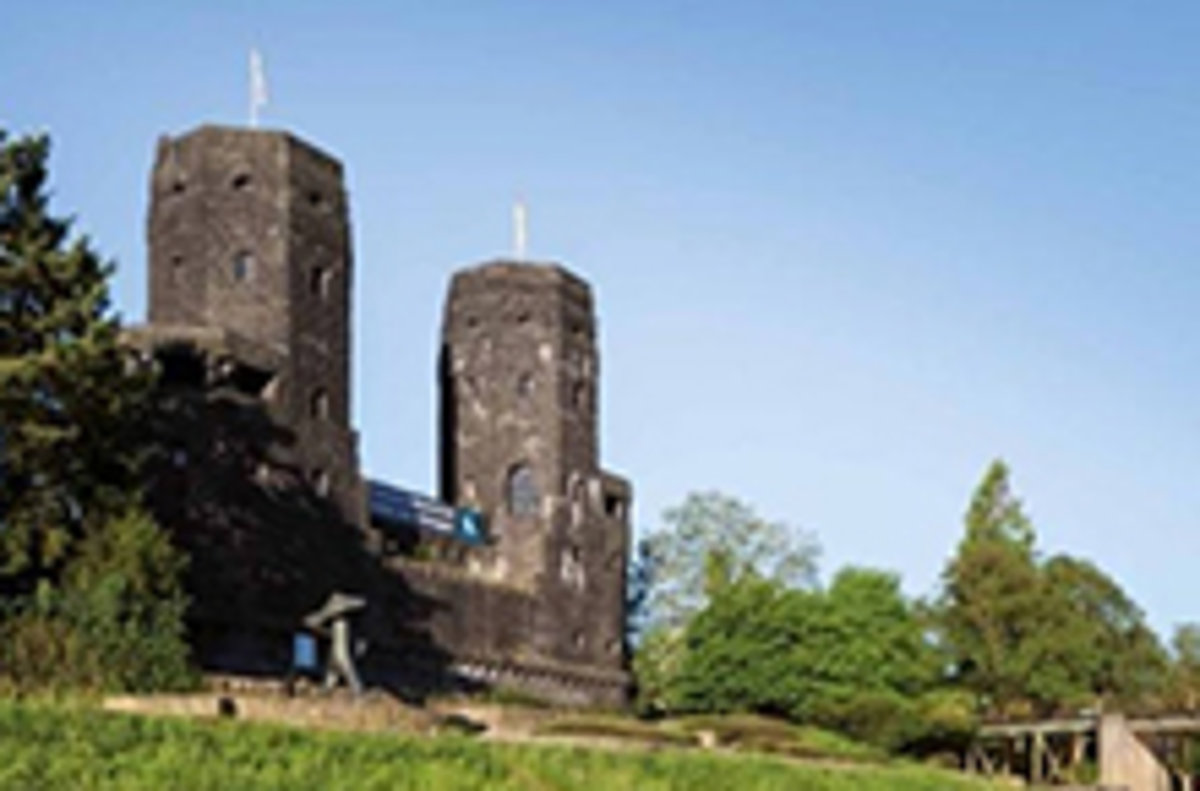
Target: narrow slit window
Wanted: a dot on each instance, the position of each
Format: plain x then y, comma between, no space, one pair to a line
319,405
320,282
243,266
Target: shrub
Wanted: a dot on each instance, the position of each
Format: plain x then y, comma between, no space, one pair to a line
116,623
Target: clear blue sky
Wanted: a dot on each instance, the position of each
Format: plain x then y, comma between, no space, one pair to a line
845,252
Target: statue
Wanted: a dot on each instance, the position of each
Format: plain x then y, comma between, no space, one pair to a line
333,621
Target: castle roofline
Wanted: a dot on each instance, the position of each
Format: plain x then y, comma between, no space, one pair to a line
509,268
225,130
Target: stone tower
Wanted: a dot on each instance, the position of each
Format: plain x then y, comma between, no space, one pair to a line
519,410
249,239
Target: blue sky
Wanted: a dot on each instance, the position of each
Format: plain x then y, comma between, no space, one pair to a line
845,253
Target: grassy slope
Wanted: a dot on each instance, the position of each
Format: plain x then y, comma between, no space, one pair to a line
55,748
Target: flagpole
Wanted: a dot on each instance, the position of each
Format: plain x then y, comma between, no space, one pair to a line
258,86
520,230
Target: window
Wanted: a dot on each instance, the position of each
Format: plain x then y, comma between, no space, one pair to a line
251,381
578,500
579,396
521,492
316,199
614,506
243,266
525,385
183,367
318,406
241,181
320,482
320,282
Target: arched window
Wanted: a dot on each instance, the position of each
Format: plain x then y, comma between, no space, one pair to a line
521,491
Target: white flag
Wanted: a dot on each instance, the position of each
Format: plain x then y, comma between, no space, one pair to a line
258,86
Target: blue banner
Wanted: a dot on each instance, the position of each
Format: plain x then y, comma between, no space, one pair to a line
398,507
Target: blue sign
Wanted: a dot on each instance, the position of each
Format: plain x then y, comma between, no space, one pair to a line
398,507
468,525
304,652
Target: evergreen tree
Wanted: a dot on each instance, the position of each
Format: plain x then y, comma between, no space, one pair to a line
990,603
71,404
89,584
1039,637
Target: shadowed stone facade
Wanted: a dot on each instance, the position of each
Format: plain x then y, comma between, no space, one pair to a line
250,307
519,372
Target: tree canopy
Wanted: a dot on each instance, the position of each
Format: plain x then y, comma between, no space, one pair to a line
709,541
1039,636
89,585
72,406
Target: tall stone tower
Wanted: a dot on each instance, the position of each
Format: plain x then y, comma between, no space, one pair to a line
519,410
249,239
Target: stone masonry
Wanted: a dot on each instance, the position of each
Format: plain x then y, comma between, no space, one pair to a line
250,276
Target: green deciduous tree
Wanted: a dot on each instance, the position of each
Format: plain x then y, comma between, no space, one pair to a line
1092,642
709,543
1184,676
853,657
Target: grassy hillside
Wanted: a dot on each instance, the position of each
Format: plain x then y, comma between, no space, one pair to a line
43,747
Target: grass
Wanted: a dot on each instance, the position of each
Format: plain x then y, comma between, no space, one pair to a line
762,734
55,747
741,732
617,727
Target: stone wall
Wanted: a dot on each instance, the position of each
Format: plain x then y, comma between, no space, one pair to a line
250,279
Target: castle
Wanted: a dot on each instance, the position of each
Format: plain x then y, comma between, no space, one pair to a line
513,576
